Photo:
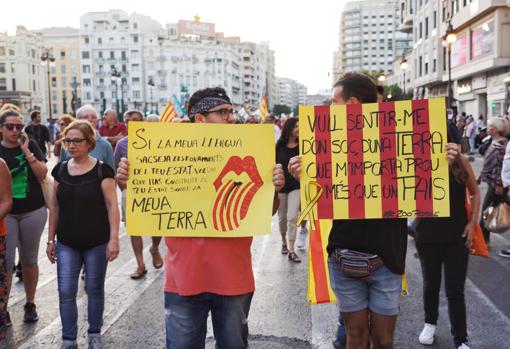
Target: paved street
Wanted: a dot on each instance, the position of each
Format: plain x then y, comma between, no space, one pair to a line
280,316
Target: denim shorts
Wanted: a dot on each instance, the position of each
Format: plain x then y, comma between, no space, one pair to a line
380,292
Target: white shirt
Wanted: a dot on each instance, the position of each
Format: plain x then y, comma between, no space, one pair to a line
505,171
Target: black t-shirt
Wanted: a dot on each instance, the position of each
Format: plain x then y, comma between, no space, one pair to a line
40,134
444,230
283,156
386,238
26,190
82,213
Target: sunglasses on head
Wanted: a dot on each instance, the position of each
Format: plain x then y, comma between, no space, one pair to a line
11,127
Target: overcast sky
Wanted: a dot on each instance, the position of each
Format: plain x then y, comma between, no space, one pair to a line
303,36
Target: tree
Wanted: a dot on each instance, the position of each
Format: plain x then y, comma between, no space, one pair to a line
280,109
394,91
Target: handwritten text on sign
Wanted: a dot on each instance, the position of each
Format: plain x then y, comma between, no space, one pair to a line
383,160
200,179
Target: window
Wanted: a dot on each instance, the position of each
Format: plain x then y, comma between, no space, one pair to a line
101,95
3,85
86,69
99,41
88,96
14,84
135,81
123,55
73,53
426,68
12,52
135,67
112,55
134,54
2,67
434,20
13,67
135,39
434,65
135,25
53,82
33,69
421,30
85,55
86,39
2,51
33,86
63,69
426,27
86,82
64,82
63,54
136,94
74,68
420,66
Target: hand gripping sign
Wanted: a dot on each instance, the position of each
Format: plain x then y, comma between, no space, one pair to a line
200,179
385,160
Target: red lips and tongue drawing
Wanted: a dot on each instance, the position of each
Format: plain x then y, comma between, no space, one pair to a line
234,197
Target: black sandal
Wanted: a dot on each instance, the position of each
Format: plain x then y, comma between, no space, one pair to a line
294,257
285,250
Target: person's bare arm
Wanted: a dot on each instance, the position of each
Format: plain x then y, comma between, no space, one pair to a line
110,198
474,193
5,190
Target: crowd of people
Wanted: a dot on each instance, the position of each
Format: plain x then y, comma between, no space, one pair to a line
215,275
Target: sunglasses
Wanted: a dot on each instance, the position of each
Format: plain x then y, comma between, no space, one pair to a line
11,127
75,141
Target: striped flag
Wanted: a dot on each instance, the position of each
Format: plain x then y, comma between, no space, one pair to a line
383,160
168,113
319,289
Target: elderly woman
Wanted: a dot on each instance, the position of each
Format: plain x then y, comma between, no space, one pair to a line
5,207
497,128
85,219
28,215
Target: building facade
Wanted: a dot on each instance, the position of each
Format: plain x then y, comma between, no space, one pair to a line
291,93
65,71
369,38
191,55
22,77
111,59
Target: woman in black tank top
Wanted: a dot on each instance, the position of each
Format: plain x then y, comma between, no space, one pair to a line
446,241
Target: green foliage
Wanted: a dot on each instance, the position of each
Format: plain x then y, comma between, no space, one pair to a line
281,109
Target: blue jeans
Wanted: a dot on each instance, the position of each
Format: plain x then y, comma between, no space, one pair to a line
186,320
69,263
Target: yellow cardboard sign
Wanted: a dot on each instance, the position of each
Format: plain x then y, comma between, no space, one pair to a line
206,180
377,160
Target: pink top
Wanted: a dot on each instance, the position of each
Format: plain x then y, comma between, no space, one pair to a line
214,265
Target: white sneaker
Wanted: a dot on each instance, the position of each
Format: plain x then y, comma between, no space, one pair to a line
95,341
463,346
427,334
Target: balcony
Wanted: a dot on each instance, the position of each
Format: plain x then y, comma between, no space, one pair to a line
99,60
100,73
112,60
161,58
124,74
163,86
123,60
162,72
101,86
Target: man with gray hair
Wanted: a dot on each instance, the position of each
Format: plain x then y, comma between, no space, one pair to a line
103,150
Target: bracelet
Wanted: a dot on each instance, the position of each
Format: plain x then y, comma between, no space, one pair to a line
50,242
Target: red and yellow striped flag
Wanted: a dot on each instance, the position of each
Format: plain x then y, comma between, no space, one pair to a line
319,289
383,160
168,113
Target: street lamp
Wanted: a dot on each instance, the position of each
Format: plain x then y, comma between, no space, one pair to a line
449,38
48,57
116,77
403,67
151,84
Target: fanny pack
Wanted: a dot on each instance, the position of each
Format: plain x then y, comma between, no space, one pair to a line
357,265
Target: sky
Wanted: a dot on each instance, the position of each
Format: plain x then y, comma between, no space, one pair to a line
302,34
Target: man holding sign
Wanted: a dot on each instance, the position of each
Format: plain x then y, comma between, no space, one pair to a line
366,256
205,274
